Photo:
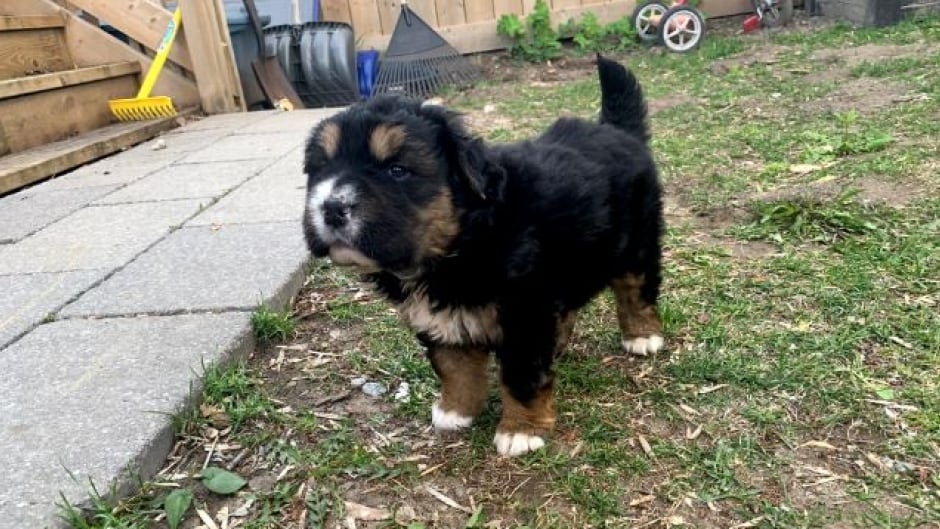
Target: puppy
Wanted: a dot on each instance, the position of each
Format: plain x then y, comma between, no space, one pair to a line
494,248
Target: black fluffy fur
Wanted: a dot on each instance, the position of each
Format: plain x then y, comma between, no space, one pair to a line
545,224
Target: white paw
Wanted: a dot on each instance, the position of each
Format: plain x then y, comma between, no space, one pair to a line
514,444
448,420
643,346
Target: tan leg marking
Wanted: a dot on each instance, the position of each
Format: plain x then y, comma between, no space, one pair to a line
640,325
329,139
523,425
464,386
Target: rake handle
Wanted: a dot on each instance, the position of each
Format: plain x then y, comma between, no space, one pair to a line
163,51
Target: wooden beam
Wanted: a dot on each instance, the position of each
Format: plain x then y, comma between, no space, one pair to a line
206,30
24,168
33,51
142,20
31,22
50,81
90,46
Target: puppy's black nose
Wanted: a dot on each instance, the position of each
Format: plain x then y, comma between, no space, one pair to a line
335,213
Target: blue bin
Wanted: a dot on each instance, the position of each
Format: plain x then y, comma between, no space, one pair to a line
367,65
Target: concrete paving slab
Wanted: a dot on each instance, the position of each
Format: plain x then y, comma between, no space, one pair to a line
275,195
29,210
229,121
248,147
202,268
28,299
93,397
99,237
204,180
300,121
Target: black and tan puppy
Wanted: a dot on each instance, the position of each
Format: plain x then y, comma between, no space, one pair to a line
493,248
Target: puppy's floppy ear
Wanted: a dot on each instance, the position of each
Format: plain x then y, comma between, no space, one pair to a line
485,178
468,155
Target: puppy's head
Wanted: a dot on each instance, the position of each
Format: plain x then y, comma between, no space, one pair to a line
388,181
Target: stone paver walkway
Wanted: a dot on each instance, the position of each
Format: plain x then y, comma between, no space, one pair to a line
120,281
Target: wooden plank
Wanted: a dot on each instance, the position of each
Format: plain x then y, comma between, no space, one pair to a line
50,81
528,6
24,168
31,22
564,4
505,7
479,10
723,8
45,117
365,17
335,11
388,15
425,9
450,13
142,20
33,51
214,64
89,46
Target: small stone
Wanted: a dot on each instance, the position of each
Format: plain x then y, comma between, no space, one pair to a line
489,108
373,389
403,392
158,145
358,381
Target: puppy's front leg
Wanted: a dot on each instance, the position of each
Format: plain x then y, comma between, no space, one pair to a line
527,385
464,385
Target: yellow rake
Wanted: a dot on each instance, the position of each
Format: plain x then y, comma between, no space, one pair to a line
144,107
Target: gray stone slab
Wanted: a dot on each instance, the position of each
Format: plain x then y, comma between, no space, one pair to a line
27,211
232,121
94,397
96,237
300,121
248,147
204,268
29,299
203,180
275,195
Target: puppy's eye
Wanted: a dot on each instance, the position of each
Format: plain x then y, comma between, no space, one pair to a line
397,172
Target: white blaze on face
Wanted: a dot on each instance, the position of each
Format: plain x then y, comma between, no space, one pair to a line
321,193
347,195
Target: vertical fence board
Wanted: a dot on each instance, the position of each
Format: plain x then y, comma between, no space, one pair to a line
504,7
365,17
450,13
479,10
335,11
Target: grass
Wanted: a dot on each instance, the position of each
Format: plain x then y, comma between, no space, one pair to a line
800,388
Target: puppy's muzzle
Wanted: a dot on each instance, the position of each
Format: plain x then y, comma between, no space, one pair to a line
337,212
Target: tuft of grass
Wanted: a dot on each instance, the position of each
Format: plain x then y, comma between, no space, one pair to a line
271,326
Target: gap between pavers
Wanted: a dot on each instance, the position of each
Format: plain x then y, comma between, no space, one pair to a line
103,410
29,211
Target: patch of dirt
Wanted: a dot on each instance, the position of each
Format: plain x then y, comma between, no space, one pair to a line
864,95
872,190
853,56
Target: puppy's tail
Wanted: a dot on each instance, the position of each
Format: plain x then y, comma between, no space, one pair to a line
622,103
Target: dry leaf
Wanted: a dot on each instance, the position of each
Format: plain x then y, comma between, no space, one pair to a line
902,343
206,519
644,444
446,500
641,500
709,389
818,444
362,512
804,168
693,434
689,409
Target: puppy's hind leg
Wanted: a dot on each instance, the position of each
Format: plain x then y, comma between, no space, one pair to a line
464,385
640,326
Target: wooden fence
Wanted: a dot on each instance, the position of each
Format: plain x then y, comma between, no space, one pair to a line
470,25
